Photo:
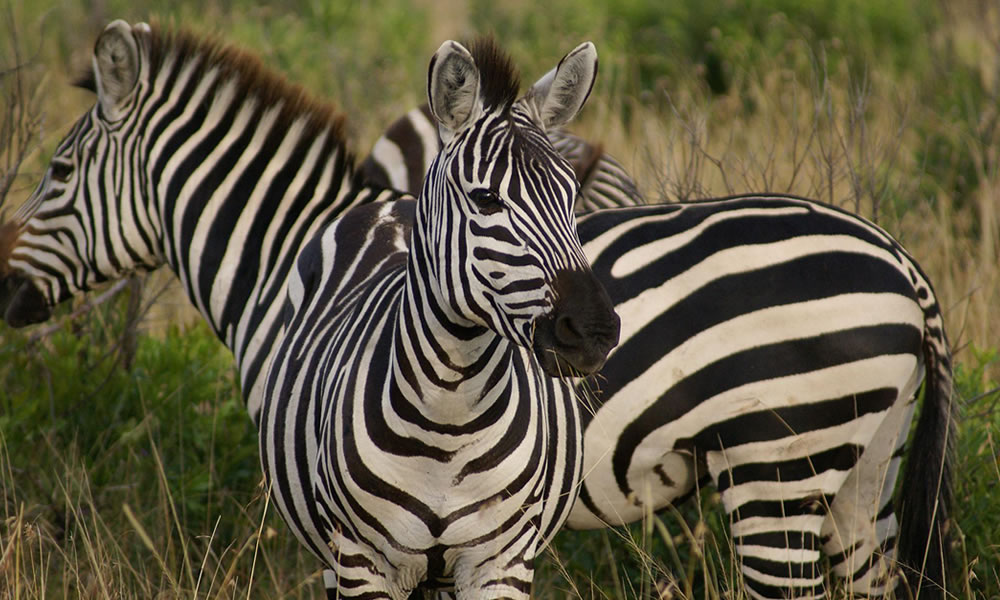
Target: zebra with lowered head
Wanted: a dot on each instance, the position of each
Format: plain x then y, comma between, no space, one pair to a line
771,343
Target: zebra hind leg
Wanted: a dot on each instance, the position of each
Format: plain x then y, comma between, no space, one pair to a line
859,534
777,511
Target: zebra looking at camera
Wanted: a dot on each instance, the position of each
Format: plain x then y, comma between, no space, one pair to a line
426,346
402,155
647,437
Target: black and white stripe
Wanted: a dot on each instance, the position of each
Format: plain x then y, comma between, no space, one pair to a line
775,344
403,154
723,303
198,158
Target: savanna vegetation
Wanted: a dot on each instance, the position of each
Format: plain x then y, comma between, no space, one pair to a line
128,467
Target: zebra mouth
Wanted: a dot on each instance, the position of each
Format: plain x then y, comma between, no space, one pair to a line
563,351
575,337
555,365
21,302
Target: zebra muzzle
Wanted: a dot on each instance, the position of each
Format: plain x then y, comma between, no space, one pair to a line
22,303
574,339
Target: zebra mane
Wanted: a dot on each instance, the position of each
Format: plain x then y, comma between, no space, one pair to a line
499,79
9,232
252,77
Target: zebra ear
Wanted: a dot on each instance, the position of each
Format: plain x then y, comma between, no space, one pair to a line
560,94
116,66
453,88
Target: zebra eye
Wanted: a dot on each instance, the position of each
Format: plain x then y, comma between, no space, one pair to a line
486,200
61,170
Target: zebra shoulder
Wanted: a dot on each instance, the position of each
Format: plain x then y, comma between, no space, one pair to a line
364,243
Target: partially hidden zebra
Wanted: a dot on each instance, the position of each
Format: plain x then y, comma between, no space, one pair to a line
403,154
772,343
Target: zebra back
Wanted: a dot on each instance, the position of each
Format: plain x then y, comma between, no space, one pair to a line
401,157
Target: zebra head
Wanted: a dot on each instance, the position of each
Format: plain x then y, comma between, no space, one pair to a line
80,223
497,207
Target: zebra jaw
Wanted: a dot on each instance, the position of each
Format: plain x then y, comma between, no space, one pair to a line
25,305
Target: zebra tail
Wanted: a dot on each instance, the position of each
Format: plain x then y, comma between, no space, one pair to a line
926,494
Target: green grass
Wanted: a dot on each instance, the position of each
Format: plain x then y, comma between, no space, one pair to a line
131,470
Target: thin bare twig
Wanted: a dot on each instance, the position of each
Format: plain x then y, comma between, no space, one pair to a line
20,119
83,309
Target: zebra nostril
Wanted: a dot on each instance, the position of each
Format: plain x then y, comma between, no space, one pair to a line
567,331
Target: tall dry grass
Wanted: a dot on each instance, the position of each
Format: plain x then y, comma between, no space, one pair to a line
794,125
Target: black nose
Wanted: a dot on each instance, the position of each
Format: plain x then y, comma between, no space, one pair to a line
24,304
569,332
582,328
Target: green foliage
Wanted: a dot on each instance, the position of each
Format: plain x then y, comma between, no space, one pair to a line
978,472
661,41
80,392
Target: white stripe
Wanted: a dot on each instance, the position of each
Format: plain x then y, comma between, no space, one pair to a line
390,157
793,525
782,555
428,134
827,482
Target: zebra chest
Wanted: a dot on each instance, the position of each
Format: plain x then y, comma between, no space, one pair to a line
405,481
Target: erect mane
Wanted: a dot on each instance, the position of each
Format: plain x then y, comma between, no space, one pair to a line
250,75
499,80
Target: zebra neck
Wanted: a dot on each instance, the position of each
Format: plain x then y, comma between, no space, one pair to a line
449,362
236,216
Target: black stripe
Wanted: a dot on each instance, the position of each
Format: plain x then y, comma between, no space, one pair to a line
841,458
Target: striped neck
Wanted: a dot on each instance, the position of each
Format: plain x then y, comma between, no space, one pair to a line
438,352
242,170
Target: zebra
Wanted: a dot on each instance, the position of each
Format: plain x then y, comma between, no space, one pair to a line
403,154
464,373
617,456
750,286
424,370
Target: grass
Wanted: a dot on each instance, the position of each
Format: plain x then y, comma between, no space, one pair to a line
130,469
